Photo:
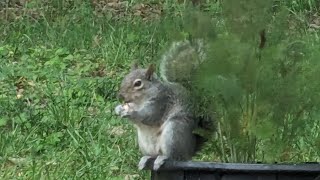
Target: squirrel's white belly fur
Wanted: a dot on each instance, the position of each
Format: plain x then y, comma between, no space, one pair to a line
152,141
148,140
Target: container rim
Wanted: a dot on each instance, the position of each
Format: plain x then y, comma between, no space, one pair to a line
307,167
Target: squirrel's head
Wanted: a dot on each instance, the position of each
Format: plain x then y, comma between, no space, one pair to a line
136,85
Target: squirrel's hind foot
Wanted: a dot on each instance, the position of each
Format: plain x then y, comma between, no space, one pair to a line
143,162
159,162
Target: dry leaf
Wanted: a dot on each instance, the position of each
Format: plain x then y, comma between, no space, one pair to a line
20,93
117,131
314,26
131,177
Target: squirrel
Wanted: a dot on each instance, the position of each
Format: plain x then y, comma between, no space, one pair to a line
158,105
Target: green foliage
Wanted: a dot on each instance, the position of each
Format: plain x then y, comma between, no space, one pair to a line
266,99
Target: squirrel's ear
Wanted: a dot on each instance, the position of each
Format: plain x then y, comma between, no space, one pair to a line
134,66
150,71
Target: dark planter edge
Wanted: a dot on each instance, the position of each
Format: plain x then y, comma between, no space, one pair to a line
313,168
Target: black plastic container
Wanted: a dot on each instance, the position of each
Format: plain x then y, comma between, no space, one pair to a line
173,170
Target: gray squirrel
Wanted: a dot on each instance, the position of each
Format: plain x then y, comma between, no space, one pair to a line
158,105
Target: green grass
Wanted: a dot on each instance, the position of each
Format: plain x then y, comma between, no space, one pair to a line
59,76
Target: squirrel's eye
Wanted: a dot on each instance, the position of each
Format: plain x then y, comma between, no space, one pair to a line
137,83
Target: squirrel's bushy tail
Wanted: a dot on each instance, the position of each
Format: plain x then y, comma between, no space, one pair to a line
178,63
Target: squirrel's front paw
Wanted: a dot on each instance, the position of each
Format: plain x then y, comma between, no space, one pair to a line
122,110
118,109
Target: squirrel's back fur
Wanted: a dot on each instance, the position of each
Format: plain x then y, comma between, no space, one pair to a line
177,66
